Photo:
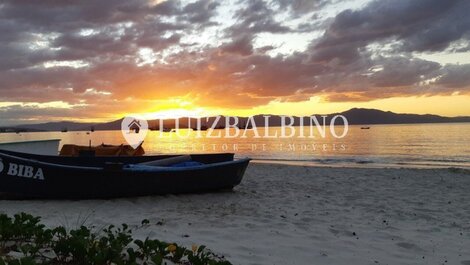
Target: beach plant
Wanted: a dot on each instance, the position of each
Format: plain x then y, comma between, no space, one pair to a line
24,240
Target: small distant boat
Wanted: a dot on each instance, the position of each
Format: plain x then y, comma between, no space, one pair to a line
64,130
39,147
166,129
365,128
36,176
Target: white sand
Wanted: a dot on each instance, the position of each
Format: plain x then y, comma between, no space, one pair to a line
301,215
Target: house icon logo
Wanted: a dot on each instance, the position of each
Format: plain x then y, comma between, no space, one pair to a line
134,130
134,126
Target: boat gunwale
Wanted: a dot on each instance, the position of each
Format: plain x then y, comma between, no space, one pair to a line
198,167
47,163
158,169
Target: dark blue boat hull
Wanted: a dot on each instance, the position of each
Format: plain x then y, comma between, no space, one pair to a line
35,176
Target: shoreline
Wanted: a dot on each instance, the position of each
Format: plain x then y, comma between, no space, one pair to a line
365,165
283,214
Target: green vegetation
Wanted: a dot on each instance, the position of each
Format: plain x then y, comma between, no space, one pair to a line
25,241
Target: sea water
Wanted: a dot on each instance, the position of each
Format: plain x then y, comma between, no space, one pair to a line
415,145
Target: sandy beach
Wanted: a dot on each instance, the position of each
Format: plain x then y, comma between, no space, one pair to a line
283,214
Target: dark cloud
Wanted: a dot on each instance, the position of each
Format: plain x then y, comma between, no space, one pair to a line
24,23
455,76
256,16
353,43
201,11
419,25
241,46
299,7
198,50
343,53
96,33
402,71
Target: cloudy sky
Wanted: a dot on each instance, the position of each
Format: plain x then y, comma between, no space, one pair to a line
99,60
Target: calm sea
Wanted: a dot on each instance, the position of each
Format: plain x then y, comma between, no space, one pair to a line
417,145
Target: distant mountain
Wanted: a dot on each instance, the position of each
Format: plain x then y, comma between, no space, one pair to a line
354,116
56,126
373,116
107,126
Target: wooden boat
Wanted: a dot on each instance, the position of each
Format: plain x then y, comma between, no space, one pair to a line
37,176
39,147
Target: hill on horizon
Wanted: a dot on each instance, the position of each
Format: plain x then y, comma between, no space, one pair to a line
355,116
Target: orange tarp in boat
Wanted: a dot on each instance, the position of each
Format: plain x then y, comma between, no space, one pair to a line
102,150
